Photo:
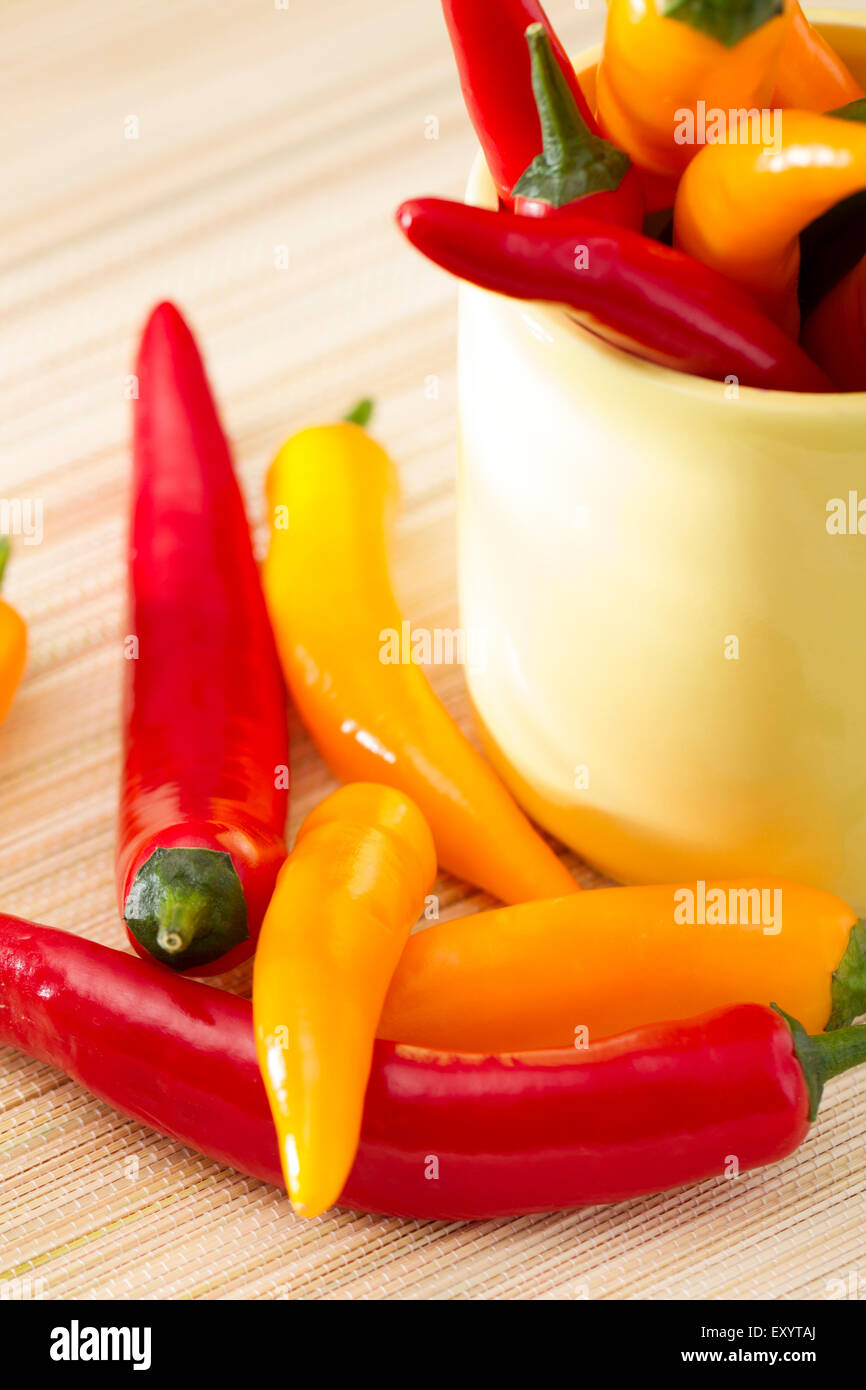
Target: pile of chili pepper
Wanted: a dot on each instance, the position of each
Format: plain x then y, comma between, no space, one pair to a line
569,1048
566,1047
592,160
442,1134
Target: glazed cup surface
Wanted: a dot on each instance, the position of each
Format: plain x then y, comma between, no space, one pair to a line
674,679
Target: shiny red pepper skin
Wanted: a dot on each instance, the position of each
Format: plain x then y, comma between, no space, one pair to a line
488,38
204,703
835,331
654,301
624,207
443,1136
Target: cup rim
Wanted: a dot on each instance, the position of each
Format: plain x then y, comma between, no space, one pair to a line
480,192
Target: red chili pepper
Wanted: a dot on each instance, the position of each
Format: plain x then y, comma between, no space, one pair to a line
493,62
576,172
204,793
835,331
831,247
443,1136
656,302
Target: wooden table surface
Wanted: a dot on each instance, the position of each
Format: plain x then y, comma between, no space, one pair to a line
185,152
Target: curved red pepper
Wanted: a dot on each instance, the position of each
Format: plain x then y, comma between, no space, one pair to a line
656,302
443,1136
204,792
577,172
835,331
493,62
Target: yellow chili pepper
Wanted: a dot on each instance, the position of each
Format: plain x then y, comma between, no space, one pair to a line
655,67
342,910
537,975
741,206
361,694
810,74
13,642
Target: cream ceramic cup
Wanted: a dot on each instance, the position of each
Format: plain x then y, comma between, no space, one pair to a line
675,672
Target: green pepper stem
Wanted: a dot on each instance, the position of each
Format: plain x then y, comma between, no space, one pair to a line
848,993
563,129
362,413
5,551
854,111
840,1050
824,1055
184,913
186,906
573,162
726,21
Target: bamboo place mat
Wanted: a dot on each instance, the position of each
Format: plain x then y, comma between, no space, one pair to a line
263,126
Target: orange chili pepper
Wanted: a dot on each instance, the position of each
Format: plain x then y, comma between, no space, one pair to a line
810,74
533,976
741,206
345,902
370,710
13,642
834,334
656,66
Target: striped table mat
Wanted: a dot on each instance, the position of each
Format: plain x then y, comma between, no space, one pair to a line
244,159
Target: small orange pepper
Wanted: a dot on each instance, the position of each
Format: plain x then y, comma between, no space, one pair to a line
656,66
373,718
810,74
560,973
741,206
13,642
345,902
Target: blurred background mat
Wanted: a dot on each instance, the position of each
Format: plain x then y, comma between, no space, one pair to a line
245,159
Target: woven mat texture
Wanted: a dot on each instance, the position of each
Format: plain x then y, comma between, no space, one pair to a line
263,126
